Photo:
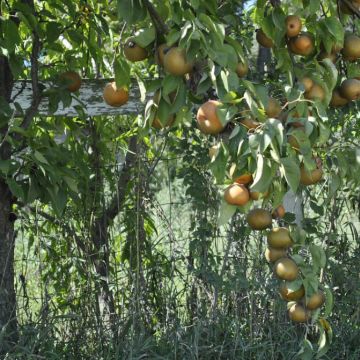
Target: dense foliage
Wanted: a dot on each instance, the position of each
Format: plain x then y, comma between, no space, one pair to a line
116,240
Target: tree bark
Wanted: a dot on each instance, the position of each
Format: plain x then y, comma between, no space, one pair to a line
8,321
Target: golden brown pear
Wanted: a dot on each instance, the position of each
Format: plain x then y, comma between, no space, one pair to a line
337,100
299,314
236,194
315,301
351,50
72,80
264,40
279,238
310,177
160,53
288,295
115,96
256,195
207,118
273,108
308,83
315,93
293,25
244,179
134,52
350,89
176,63
242,69
279,212
286,269
303,44
259,219
250,123
273,255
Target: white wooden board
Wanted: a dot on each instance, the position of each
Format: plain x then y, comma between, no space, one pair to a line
90,94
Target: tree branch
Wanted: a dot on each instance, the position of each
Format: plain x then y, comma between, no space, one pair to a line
350,5
36,99
113,208
155,17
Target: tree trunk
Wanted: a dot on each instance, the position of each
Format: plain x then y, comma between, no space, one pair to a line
8,321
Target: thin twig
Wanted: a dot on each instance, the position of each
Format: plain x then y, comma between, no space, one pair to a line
65,226
36,98
117,200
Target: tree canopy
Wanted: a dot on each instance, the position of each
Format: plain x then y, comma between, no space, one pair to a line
242,117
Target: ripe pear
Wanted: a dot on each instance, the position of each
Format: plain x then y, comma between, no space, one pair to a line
303,44
337,100
176,63
279,212
286,269
299,314
264,40
115,96
134,52
256,195
250,123
207,118
315,93
310,178
273,108
273,255
242,69
160,53
236,194
293,25
72,80
308,83
279,238
288,295
315,301
351,50
259,219
350,89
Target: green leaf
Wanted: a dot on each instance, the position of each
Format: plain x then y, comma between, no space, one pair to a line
11,35
53,31
218,166
225,113
122,73
5,108
307,351
131,11
40,157
291,171
263,176
318,256
145,37
16,189
226,211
